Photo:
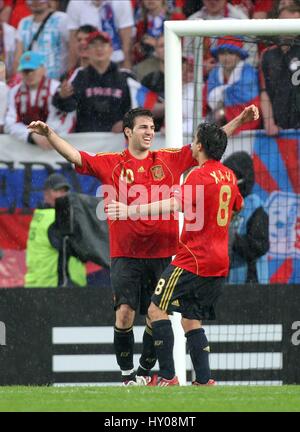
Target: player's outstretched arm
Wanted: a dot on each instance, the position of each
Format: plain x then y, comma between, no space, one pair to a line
59,144
119,210
250,113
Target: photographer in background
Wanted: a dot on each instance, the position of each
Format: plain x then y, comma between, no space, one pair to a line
42,259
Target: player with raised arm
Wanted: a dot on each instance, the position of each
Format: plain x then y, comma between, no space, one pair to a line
140,250
192,283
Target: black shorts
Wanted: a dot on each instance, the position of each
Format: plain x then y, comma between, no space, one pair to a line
133,280
193,296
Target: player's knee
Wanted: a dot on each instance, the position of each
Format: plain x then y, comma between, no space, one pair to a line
188,324
155,313
124,317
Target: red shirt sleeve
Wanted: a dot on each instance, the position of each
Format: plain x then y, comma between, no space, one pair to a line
239,202
97,165
179,159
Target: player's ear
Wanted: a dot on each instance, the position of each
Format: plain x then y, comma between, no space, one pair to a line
128,132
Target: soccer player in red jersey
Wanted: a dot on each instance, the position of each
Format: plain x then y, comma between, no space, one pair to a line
140,250
192,283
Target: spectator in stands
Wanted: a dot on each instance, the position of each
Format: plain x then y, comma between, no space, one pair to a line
232,84
280,4
42,259
46,32
82,34
153,63
13,11
3,96
113,17
7,45
100,95
188,99
32,100
59,5
189,7
155,80
66,89
150,25
249,229
213,10
255,9
279,76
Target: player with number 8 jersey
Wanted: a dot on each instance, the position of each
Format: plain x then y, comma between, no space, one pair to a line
205,252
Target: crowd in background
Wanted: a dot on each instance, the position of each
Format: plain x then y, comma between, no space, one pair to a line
80,65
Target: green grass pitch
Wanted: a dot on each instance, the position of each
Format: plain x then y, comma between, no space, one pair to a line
151,399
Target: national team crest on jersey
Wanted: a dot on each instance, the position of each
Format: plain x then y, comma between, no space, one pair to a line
157,172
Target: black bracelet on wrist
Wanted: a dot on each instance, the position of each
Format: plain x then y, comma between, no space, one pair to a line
30,139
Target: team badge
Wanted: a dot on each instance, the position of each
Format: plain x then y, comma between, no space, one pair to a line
157,172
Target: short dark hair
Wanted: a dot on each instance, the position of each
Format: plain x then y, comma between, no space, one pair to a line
131,115
86,28
213,139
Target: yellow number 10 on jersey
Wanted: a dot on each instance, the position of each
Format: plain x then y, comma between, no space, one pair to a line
223,212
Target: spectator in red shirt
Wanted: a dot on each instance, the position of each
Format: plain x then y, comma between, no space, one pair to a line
13,11
255,9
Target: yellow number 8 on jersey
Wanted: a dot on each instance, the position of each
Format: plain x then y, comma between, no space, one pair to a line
159,286
223,212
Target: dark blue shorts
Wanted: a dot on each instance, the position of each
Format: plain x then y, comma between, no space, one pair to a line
193,296
133,280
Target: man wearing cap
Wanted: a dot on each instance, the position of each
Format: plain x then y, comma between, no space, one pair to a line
31,100
232,84
101,94
41,257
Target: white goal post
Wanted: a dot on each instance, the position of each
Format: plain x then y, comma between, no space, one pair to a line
173,32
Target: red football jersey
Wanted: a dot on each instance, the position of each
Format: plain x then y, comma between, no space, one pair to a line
136,181
208,196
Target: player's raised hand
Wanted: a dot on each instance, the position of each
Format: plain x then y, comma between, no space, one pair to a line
117,210
250,113
39,127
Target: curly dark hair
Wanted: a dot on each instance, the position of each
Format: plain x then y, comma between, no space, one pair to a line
213,139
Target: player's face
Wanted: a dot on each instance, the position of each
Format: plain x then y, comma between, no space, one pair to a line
195,147
142,134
